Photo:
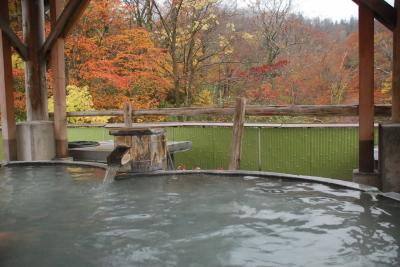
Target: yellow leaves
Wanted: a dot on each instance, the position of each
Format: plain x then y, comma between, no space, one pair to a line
17,61
198,5
79,99
230,27
229,50
223,42
205,27
203,99
387,87
248,37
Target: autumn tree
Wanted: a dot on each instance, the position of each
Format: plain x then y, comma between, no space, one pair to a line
79,99
383,64
271,20
186,28
118,63
140,13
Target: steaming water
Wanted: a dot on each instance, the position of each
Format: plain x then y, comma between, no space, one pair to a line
60,216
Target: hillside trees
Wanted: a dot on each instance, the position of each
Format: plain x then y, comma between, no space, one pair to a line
187,29
203,52
383,64
259,49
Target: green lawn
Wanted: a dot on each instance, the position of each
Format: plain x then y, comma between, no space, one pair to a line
327,152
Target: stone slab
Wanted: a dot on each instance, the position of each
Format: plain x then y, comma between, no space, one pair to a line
370,179
35,141
389,157
100,153
391,195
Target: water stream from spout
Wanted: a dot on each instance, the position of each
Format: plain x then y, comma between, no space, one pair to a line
111,173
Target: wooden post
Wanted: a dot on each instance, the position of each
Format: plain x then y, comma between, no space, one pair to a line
35,66
366,90
60,97
396,68
128,114
238,131
65,22
6,92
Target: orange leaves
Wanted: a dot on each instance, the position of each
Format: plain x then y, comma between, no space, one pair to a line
117,62
266,93
19,101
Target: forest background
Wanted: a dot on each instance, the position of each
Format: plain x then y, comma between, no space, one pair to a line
177,53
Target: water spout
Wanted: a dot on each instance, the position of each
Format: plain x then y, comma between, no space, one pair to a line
114,162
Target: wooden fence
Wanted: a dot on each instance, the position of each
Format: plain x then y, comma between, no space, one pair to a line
251,110
239,112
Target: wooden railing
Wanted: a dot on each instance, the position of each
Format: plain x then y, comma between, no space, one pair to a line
292,111
239,112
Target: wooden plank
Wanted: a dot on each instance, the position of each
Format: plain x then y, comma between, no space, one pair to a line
136,131
294,111
381,10
345,110
314,110
68,18
383,110
185,112
366,90
99,113
215,124
396,69
13,38
128,114
35,68
59,84
6,92
237,135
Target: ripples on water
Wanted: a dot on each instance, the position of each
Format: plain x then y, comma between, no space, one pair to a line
60,216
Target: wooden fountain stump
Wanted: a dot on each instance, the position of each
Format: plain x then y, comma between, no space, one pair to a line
148,148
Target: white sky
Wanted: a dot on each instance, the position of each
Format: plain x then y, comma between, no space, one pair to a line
333,9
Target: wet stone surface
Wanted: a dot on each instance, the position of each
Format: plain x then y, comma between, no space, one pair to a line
64,216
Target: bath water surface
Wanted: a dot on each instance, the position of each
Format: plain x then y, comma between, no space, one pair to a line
65,216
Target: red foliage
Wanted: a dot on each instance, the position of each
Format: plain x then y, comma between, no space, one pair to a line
263,69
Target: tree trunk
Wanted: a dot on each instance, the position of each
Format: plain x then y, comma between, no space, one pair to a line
173,51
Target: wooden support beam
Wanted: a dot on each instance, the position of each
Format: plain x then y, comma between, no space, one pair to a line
35,68
381,10
238,131
396,69
366,90
13,38
6,92
67,19
59,84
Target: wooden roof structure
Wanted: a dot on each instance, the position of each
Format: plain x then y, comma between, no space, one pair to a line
36,48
